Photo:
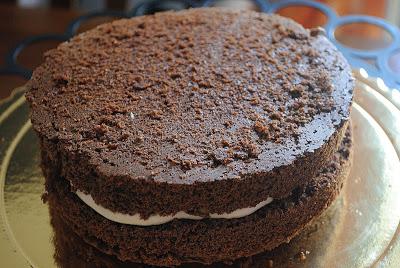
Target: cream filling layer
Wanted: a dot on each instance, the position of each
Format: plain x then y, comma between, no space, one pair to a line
158,219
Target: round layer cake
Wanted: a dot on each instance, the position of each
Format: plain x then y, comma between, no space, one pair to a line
201,118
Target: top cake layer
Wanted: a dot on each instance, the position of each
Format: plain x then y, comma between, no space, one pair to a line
203,111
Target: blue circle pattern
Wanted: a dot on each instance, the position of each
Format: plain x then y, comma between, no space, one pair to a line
357,58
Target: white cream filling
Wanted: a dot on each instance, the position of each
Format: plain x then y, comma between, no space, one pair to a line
158,219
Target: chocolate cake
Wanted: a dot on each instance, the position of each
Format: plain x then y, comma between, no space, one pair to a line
185,136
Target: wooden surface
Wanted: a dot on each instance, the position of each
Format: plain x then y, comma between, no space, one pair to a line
17,24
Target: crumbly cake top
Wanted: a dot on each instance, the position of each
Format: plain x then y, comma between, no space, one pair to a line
191,96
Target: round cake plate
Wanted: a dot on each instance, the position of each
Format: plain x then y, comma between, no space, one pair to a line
367,233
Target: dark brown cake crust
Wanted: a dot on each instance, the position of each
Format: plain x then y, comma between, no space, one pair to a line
205,241
202,111
71,251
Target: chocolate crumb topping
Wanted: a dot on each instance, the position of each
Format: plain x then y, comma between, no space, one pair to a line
204,94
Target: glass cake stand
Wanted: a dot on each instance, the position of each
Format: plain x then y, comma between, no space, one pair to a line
363,231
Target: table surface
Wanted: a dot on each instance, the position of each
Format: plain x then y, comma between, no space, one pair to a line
17,24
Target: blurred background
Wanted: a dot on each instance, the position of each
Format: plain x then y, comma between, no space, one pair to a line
24,18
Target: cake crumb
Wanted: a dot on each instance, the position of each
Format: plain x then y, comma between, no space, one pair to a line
261,130
302,255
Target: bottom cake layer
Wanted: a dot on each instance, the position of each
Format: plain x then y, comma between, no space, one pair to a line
207,240
72,251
